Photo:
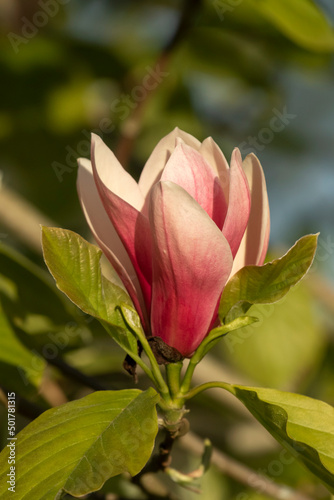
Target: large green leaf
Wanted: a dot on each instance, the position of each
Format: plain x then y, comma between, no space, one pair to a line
78,446
300,20
305,426
75,265
14,353
269,283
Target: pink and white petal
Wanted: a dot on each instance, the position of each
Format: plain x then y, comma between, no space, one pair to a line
131,225
254,245
107,237
212,153
160,155
191,264
133,230
187,168
238,205
113,176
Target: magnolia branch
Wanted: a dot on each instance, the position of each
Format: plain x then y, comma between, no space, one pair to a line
158,462
25,225
193,444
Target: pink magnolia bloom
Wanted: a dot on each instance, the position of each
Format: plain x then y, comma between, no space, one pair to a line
177,235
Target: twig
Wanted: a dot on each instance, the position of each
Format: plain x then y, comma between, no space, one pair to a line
160,461
241,473
131,127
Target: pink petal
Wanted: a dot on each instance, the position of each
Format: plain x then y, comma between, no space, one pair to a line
113,176
106,236
212,153
254,244
238,204
187,168
159,157
122,201
191,264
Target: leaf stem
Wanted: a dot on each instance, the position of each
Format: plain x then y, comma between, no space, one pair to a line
208,343
135,357
132,320
160,382
185,386
209,385
143,366
173,374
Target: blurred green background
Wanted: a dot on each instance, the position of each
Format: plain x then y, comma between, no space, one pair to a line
257,74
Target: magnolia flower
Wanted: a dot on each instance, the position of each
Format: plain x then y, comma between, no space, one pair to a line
179,234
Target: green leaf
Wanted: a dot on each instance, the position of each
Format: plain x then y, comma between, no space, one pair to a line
305,426
14,353
300,20
75,265
76,447
269,283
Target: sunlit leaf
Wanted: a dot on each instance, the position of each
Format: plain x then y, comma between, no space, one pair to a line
75,265
305,426
76,447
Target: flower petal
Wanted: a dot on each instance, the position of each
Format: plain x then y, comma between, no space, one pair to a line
187,168
159,157
122,201
112,174
238,204
191,264
106,235
254,244
212,153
